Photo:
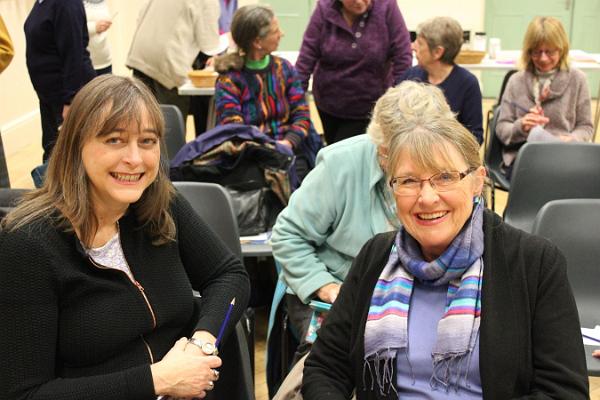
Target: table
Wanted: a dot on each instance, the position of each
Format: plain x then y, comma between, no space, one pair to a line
257,250
593,363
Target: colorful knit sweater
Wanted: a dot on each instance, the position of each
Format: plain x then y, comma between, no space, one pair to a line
271,99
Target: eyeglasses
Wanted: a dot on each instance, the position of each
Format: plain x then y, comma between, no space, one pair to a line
442,182
538,53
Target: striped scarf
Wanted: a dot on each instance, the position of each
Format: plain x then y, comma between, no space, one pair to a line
461,268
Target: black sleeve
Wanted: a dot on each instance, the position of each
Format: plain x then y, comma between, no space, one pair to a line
212,269
30,307
558,355
329,370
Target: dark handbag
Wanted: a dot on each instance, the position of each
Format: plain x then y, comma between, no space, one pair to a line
256,209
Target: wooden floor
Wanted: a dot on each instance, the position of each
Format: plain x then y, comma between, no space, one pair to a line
20,164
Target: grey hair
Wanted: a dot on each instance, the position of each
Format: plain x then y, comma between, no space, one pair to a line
408,104
445,32
249,23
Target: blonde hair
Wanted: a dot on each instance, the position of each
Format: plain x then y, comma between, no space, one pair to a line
549,31
404,104
99,107
249,23
444,32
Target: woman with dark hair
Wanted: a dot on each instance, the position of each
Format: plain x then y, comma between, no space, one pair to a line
437,44
257,88
455,304
98,266
548,96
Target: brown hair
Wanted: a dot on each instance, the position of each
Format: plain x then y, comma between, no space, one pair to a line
249,23
444,32
98,108
549,31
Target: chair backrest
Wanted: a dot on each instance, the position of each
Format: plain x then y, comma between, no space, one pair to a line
9,198
174,129
551,171
493,153
574,226
213,204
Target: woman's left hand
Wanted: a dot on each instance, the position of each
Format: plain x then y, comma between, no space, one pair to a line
286,143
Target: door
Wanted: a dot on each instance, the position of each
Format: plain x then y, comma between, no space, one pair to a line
293,18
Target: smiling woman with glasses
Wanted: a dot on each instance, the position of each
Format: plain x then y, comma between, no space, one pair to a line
549,98
454,303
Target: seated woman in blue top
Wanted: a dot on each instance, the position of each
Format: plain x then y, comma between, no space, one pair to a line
341,204
456,304
438,43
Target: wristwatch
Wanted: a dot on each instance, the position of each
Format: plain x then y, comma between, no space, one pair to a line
207,348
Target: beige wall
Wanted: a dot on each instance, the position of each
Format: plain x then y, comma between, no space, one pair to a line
19,115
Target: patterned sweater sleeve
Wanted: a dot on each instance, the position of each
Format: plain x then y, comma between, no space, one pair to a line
299,119
228,100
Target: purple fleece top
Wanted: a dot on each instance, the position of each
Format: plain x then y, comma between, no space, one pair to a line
353,66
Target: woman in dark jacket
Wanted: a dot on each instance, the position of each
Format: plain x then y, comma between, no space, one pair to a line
456,304
98,266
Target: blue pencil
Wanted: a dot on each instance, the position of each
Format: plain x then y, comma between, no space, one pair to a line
225,321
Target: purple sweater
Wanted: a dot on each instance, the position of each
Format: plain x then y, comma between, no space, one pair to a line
353,66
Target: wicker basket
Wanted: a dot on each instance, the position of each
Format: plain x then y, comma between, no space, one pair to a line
203,78
469,57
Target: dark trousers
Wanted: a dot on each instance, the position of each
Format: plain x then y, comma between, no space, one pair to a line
299,316
336,129
4,181
51,115
164,95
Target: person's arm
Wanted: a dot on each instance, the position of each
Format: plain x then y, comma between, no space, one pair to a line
205,25
584,127
329,368
71,41
212,269
302,227
228,101
471,115
400,51
6,47
310,51
558,354
509,128
299,116
30,307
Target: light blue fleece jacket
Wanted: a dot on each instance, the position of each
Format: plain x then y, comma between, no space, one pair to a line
339,206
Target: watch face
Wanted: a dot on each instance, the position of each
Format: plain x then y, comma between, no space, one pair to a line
208,348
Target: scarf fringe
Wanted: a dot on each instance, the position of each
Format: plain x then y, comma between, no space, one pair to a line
450,370
382,372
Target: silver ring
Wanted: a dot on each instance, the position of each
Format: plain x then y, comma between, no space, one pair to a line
211,384
216,373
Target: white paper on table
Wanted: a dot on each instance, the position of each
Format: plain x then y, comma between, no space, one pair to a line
539,134
261,237
591,336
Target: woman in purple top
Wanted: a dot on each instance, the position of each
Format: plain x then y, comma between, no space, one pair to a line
355,50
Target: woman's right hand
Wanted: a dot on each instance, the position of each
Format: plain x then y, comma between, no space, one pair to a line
530,120
181,374
329,292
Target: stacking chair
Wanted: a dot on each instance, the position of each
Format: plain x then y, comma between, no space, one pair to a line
9,198
174,129
574,226
551,171
213,204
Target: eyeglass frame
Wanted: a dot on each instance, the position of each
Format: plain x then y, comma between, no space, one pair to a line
549,53
462,175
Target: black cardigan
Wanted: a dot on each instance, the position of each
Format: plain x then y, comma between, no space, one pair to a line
530,342
73,330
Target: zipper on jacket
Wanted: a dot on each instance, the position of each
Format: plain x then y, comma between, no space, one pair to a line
148,348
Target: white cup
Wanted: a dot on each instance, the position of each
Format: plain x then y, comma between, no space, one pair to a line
494,48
